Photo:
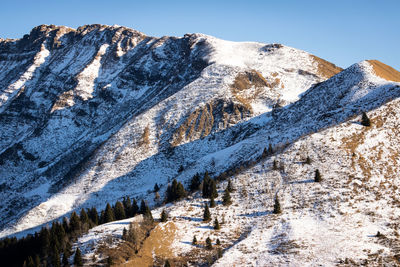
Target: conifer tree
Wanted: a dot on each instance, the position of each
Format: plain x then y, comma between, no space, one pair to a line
109,214
127,206
265,153
317,176
124,234
230,186
145,210
78,258
55,258
102,217
65,259
275,165
213,189
270,150
167,264
94,216
74,222
308,160
175,191
134,208
164,216
365,121
277,206
181,193
208,243
216,224
195,183
194,241
84,217
226,198
65,224
212,202
218,242
207,214
119,211
142,207
156,188
206,185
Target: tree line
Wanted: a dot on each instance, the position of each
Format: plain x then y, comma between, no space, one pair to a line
51,246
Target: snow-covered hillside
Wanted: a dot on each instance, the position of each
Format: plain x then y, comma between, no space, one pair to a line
91,115
330,223
83,108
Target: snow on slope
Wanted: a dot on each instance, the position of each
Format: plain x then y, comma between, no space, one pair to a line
151,69
331,223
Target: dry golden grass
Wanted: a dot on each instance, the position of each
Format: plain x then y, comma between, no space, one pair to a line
325,68
158,243
384,71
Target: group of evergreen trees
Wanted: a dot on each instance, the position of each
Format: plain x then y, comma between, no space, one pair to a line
52,245
175,191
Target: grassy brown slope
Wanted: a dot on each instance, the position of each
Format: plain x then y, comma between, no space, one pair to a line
384,71
325,68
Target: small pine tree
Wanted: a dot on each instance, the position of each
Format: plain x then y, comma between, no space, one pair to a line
213,189
94,216
124,234
317,176
226,198
365,121
275,165
145,210
277,206
208,243
164,216
134,208
265,153
212,202
156,188
206,185
270,150
230,186
218,242
195,183
78,258
119,211
308,160
74,222
167,264
55,259
84,217
216,224
207,214
109,214
194,241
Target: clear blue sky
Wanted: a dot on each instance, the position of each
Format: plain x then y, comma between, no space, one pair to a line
341,31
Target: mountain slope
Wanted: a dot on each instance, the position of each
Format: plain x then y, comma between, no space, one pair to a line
90,105
334,222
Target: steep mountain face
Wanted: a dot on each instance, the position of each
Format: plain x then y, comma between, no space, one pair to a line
83,110
91,115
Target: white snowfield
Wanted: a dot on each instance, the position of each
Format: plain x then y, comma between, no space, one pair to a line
142,91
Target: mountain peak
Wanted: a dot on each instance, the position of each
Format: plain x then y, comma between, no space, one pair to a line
384,71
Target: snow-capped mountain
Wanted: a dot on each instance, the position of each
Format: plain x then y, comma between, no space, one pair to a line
91,115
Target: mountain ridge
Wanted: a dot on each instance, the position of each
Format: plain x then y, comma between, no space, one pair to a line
103,112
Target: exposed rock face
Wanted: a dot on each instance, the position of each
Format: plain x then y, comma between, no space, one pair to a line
90,115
